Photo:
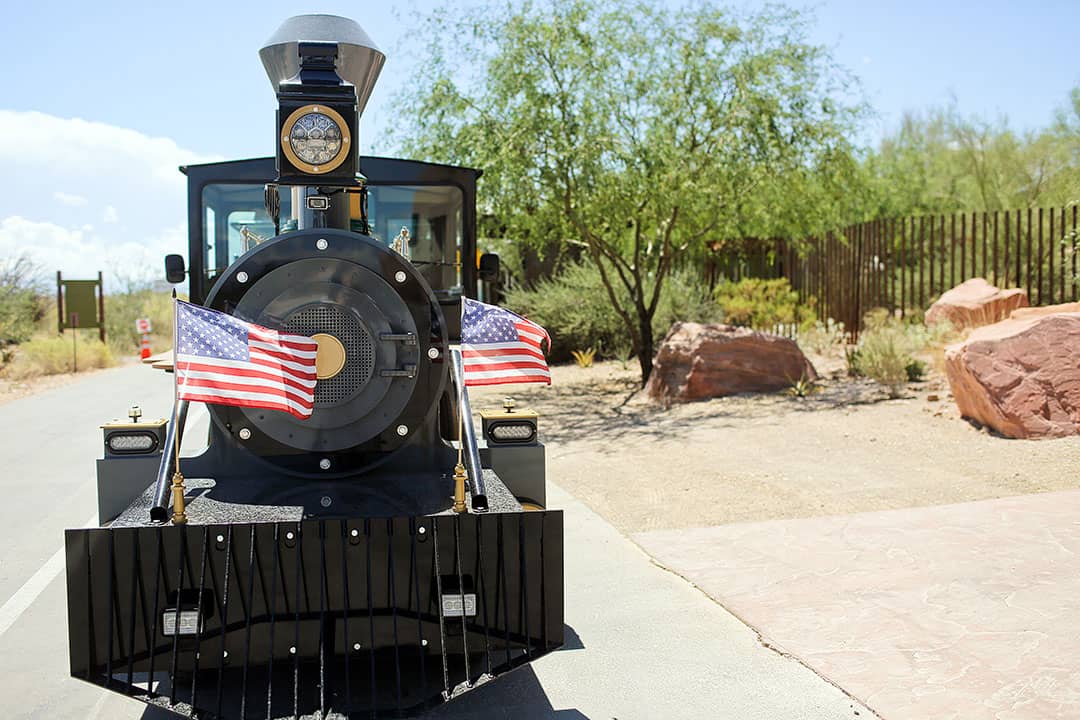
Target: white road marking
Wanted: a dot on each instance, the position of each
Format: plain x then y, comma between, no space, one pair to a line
25,596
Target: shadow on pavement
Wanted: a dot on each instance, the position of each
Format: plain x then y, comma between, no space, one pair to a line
516,695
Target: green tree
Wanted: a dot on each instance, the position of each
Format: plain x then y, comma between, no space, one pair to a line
636,133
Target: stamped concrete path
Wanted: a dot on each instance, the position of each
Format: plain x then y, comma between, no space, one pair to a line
959,611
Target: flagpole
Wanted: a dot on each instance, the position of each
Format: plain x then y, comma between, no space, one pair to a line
459,469
179,517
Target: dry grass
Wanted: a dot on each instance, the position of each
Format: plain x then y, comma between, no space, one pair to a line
45,355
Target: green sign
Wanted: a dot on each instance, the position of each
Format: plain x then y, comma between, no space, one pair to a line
80,304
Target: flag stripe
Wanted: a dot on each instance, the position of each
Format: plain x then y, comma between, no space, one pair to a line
503,379
276,351
505,363
260,401
193,378
270,371
266,358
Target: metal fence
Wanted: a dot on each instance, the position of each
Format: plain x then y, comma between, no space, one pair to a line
904,264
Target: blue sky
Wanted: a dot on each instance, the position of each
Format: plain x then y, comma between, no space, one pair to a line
102,100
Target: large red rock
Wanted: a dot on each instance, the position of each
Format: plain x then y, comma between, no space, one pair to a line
1038,311
697,361
974,303
1020,376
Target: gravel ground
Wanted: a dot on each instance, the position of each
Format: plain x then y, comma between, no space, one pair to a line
846,449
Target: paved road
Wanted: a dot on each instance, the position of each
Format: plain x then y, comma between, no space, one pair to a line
643,642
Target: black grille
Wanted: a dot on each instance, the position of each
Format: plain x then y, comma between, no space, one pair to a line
359,349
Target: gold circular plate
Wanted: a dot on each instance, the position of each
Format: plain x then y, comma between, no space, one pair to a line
346,140
330,357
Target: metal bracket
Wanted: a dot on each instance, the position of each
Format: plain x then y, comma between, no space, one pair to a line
407,338
408,371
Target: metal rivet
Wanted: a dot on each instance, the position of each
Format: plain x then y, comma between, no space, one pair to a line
356,646
241,277
245,434
322,244
421,530
423,643
225,654
221,538
292,649
325,501
402,430
324,463
400,276
355,532
433,353
289,535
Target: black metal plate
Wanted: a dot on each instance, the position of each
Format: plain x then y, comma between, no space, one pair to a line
340,619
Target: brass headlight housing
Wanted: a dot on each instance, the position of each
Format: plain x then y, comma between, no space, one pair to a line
316,139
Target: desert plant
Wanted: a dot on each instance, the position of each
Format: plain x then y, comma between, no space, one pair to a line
22,300
757,303
53,356
803,387
883,357
584,358
574,309
822,337
915,369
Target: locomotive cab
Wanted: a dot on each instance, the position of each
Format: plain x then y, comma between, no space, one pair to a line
331,565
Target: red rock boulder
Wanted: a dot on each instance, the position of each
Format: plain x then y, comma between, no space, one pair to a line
974,303
697,361
1020,376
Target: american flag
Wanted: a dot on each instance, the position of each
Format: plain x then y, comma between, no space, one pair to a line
223,360
500,347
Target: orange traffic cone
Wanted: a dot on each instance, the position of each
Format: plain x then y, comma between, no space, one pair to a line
144,353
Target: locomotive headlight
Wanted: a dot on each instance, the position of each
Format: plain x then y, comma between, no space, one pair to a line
315,139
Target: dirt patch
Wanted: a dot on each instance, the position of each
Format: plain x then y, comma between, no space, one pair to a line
845,449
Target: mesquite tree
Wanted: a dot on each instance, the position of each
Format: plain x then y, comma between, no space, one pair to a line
636,134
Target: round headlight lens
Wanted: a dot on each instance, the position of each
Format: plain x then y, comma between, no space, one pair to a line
315,138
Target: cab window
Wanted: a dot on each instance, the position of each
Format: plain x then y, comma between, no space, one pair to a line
227,210
432,215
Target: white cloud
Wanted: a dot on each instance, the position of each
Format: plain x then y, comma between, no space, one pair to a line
70,199
119,173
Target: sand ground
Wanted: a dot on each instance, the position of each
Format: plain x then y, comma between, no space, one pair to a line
846,449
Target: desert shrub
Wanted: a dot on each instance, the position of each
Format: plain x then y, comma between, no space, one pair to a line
757,303
915,369
887,348
121,311
53,355
22,300
823,337
574,308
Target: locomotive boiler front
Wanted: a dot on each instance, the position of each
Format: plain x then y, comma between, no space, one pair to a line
382,356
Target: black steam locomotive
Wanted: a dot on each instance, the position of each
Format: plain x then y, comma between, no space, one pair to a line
326,568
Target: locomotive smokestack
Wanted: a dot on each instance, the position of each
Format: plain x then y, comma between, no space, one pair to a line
358,62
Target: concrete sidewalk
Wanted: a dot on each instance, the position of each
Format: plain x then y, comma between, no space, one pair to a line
958,611
642,643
